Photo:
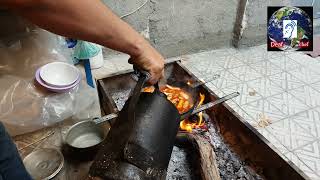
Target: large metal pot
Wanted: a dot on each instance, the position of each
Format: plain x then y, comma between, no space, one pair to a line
143,136
151,140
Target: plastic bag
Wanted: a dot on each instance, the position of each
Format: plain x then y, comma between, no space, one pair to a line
24,105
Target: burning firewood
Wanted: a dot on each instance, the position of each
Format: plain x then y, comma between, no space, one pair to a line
208,162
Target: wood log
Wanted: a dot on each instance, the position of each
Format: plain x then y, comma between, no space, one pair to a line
208,163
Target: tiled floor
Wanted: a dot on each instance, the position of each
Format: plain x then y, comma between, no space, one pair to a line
281,87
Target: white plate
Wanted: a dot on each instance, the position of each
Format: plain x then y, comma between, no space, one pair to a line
59,74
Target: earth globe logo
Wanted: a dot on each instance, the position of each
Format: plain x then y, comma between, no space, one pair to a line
290,28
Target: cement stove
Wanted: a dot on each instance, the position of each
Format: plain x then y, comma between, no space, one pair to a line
237,149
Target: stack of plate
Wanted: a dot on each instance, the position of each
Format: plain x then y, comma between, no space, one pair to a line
58,77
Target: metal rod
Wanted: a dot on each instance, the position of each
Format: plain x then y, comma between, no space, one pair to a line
218,101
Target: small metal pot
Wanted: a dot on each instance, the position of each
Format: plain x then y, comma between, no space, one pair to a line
83,138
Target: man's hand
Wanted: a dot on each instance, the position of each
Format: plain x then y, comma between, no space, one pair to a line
149,60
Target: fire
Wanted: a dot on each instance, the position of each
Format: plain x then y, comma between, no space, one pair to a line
187,125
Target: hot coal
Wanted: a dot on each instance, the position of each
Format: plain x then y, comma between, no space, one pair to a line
229,164
180,167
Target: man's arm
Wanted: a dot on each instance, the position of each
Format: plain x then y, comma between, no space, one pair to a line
92,21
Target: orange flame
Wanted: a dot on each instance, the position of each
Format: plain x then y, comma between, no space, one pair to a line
186,125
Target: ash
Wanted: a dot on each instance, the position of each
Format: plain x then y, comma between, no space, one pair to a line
120,98
179,167
229,164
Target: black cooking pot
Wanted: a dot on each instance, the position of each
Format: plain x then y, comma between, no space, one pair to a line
142,136
155,123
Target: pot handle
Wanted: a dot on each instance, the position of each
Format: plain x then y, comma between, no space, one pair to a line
157,89
142,77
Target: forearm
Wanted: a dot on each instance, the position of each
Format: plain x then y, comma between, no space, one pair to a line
88,20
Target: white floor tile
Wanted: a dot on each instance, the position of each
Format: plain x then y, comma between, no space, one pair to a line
286,81
204,65
262,107
255,54
273,140
307,95
302,166
222,79
245,116
228,62
249,57
216,90
310,155
190,66
287,103
266,68
290,134
309,120
222,52
245,73
246,96
316,86
265,87
305,74
284,62
262,47
306,61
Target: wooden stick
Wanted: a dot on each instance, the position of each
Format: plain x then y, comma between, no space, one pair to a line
208,162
